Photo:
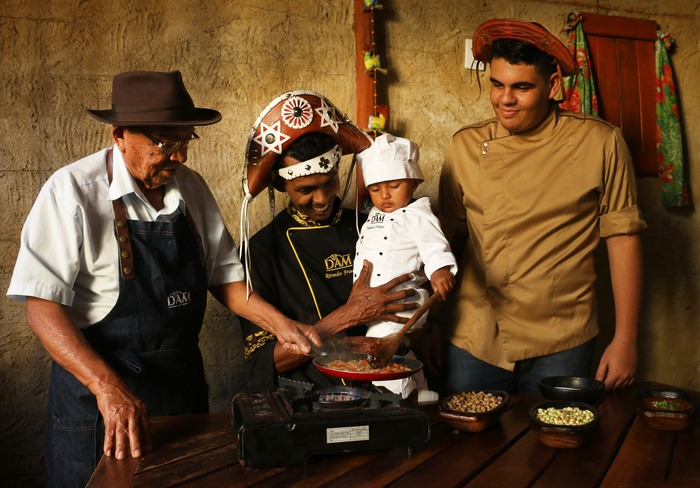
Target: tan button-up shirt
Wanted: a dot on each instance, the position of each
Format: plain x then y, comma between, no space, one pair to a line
533,206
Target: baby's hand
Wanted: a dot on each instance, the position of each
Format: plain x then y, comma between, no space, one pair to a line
442,282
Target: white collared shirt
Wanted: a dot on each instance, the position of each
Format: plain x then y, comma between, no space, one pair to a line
68,250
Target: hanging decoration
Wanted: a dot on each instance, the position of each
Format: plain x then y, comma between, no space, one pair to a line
669,143
369,109
579,89
377,123
373,65
372,61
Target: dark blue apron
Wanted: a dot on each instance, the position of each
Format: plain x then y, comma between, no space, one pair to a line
150,338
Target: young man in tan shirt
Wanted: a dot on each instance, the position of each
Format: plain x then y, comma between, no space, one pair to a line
525,198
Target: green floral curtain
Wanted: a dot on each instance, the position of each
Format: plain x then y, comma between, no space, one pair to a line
669,145
579,89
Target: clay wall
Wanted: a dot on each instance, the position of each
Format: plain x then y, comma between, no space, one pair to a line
59,58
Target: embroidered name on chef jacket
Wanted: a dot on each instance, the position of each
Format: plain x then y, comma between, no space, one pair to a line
376,222
179,298
338,265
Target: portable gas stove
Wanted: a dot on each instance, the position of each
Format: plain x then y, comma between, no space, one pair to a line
288,426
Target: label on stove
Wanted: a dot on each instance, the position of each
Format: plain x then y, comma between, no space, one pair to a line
347,434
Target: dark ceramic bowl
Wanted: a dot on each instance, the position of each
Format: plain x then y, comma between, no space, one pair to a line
572,389
563,436
665,419
474,421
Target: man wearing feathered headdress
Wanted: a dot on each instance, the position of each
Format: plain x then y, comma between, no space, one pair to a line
302,261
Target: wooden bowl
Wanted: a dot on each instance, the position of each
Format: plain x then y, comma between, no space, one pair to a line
664,419
473,421
572,389
563,436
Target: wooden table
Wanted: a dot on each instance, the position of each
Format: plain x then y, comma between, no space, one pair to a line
201,451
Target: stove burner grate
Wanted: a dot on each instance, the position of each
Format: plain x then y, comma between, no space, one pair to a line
340,397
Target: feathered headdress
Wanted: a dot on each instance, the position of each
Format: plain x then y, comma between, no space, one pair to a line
283,121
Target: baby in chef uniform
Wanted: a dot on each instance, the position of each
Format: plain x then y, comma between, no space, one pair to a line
401,235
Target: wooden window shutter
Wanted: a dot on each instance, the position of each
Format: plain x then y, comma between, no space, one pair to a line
622,56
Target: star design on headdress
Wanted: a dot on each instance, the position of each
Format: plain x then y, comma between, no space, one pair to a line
271,138
327,114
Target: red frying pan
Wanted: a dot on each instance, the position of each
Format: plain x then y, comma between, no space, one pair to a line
323,363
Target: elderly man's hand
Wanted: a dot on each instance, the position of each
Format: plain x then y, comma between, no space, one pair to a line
127,428
125,416
295,337
379,303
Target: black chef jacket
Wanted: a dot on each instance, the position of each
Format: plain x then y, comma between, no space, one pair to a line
305,271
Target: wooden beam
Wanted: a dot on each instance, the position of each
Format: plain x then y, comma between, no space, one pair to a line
364,83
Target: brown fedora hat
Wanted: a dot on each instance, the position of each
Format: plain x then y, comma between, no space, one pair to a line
152,98
530,32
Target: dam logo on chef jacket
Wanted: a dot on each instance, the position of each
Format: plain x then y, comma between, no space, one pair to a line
377,218
338,265
179,298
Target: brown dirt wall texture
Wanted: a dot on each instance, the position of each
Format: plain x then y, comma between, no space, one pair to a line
59,58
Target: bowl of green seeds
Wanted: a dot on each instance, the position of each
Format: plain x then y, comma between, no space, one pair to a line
563,424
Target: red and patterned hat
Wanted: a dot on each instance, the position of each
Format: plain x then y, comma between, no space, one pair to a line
287,118
530,32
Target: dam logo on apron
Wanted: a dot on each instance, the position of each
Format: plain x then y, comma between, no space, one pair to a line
178,299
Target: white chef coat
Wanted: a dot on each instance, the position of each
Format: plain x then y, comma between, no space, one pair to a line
408,240
69,252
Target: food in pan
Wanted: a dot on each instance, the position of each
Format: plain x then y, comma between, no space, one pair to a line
474,401
362,366
565,416
666,404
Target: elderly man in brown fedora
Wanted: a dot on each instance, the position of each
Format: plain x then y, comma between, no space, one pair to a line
116,258
525,198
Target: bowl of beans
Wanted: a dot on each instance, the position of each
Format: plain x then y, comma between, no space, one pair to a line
563,424
663,409
473,411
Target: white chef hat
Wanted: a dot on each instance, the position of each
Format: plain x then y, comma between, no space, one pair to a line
390,158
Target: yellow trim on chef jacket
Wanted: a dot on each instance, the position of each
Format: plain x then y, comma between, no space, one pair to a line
313,295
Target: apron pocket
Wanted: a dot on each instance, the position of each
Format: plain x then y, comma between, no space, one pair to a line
71,451
172,382
129,362
73,425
